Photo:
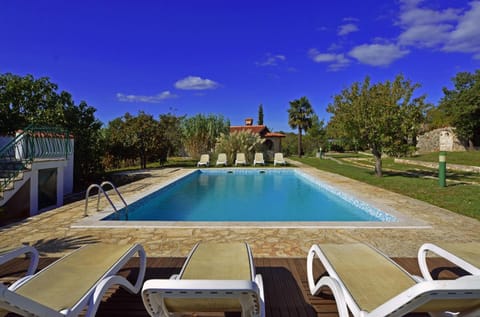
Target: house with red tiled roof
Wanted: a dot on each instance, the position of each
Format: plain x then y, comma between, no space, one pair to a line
273,140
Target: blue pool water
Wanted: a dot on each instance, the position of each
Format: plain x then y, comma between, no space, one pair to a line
249,195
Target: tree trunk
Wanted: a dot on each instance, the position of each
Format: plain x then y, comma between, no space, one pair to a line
471,146
378,161
299,142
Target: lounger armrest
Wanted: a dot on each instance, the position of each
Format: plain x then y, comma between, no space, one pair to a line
27,250
210,287
422,260
248,292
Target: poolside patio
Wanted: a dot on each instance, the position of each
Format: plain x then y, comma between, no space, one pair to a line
58,231
279,250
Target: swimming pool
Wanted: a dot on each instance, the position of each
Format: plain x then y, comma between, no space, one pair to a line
249,195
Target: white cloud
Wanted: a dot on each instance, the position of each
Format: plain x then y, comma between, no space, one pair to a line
148,99
425,35
448,30
466,36
377,54
271,60
195,83
347,28
336,61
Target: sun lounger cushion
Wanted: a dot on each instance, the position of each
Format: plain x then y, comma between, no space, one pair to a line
70,278
469,252
370,292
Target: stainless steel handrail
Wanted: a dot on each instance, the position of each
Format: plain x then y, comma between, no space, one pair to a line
100,191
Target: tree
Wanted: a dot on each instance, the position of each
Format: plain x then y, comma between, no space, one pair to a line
382,117
315,138
300,116
131,137
81,122
171,126
200,133
260,115
26,100
462,106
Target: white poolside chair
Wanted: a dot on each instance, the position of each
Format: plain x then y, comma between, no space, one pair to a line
278,159
222,159
367,283
215,278
240,159
8,254
258,159
204,160
464,255
69,285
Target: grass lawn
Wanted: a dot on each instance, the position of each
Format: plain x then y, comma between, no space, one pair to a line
464,158
460,198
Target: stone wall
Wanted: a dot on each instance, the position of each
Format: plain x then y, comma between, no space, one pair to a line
443,139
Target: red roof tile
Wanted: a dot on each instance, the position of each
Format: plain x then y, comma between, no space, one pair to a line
253,128
275,134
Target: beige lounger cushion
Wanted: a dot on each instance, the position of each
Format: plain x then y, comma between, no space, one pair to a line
64,283
468,251
211,261
370,278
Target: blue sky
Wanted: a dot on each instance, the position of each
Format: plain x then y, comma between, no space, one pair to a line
227,57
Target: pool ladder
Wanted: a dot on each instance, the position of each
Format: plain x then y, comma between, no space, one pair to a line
100,191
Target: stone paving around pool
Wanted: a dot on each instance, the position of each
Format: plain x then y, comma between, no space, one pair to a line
56,232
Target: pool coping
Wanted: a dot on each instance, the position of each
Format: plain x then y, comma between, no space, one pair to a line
403,221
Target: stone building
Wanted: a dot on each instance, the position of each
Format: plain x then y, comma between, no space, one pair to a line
273,140
443,139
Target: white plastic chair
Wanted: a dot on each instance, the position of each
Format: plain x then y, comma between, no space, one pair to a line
67,286
258,159
215,278
240,159
278,159
204,160
369,284
222,159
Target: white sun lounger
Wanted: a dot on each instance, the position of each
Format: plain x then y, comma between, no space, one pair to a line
240,159
258,159
204,160
214,278
464,255
69,285
278,159
367,283
8,254
222,159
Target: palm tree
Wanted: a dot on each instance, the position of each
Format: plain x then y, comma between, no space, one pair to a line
300,116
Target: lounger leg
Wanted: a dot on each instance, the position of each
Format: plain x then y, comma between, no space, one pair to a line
325,281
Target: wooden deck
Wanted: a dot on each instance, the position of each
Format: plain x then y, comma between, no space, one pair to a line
285,282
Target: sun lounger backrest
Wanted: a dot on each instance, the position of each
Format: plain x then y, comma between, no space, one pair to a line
230,260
